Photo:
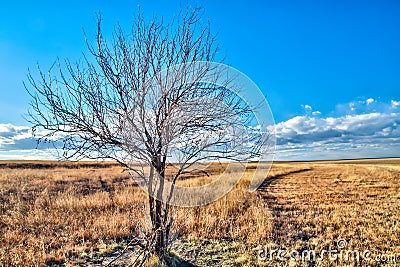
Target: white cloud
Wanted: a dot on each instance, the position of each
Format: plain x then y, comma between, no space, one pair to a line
395,103
369,105
374,131
14,137
8,130
10,134
370,101
352,106
361,135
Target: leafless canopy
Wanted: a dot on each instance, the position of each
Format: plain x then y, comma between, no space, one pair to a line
141,98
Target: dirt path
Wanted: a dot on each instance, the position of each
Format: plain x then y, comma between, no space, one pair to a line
274,191
329,202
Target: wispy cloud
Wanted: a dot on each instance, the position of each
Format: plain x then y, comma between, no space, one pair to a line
370,101
368,105
15,137
18,142
395,103
307,107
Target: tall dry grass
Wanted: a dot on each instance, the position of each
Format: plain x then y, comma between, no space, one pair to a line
58,214
240,214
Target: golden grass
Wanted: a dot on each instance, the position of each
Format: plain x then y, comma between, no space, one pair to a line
60,214
51,215
358,203
238,215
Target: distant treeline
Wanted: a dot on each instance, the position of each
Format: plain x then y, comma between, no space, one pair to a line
54,164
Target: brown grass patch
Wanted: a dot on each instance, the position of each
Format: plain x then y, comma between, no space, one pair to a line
76,215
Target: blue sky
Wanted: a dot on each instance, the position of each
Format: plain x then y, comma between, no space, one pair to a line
330,69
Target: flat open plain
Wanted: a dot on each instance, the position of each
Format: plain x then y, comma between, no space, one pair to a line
69,214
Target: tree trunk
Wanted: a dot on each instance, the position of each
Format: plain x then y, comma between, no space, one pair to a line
161,239
160,242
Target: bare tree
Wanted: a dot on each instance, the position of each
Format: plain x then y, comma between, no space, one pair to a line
141,99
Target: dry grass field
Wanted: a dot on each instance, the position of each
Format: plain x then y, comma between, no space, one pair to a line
83,214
